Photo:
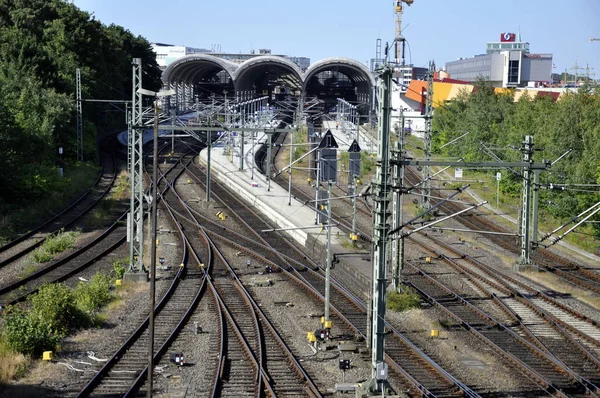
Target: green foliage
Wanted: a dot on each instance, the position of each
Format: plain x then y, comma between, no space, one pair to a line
55,244
119,267
367,163
300,136
77,178
26,333
496,121
122,186
405,299
93,295
55,305
55,310
42,43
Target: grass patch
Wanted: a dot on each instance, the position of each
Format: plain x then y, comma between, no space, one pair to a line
53,245
404,299
17,218
103,213
12,364
553,282
122,187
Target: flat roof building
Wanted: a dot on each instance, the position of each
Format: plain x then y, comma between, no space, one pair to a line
507,63
167,53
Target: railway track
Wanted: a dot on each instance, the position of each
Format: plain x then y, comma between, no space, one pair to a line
421,375
243,351
559,331
581,276
16,249
124,373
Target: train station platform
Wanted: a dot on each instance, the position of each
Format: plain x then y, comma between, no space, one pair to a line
298,220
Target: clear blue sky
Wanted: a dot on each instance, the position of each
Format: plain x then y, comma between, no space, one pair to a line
441,30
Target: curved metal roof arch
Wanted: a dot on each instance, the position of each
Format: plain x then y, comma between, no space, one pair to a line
251,63
324,64
183,65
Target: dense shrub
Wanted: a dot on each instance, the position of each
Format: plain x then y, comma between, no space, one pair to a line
93,295
405,299
55,305
55,311
27,333
119,267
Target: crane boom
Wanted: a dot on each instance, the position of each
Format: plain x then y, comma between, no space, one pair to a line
399,45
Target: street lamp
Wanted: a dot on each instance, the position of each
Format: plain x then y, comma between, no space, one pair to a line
154,200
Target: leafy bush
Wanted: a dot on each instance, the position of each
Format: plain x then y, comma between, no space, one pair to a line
54,304
93,295
403,300
55,244
119,267
27,333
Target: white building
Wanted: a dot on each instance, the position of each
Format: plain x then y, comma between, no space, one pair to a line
167,53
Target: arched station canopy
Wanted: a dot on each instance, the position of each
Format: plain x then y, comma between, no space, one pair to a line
268,74
205,74
197,76
333,78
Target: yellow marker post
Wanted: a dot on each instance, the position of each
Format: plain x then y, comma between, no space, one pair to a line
47,356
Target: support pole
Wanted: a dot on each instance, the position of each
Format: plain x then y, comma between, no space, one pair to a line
425,202
525,206
290,169
79,116
378,384
136,210
208,148
398,244
153,251
328,266
268,171
536,198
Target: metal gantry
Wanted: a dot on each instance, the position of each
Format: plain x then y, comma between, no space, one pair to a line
381,197
136,210
525,205
397,206
427,137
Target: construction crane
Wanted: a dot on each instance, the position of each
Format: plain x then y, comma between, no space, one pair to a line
399,44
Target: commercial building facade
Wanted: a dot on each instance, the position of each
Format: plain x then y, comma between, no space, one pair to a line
507,63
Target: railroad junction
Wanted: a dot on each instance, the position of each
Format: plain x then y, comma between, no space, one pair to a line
233,227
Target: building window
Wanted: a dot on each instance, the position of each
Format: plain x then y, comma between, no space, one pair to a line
513,72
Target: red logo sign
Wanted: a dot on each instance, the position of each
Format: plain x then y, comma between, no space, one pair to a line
507,37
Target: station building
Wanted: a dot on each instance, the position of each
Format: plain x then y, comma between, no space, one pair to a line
168,53
506,63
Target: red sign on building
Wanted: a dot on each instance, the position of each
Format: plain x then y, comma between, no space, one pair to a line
507,37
